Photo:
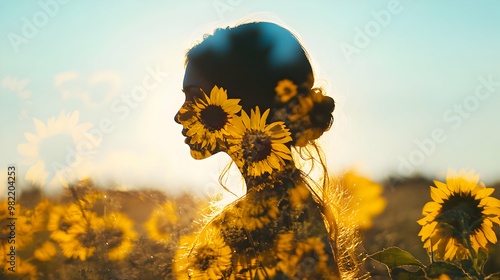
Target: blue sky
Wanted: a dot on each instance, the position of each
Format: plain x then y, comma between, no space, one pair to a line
417,83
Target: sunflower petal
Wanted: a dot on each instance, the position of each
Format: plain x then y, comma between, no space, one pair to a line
489,234
437,195
482,193
430,207
262,123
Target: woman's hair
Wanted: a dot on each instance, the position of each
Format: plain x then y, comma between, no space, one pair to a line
250,60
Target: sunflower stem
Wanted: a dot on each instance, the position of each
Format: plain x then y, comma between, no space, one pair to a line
474,258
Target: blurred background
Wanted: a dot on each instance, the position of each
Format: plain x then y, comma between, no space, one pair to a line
88,89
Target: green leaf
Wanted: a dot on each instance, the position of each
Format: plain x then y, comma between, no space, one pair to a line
436,269
403,274
468,266
393,257
475,267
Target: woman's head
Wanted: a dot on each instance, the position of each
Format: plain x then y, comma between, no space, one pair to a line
262,65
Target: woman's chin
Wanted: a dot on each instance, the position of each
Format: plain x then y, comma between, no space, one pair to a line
200,153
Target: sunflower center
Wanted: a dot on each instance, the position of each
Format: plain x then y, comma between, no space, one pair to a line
164,226
213,117
205,259
87,239
465,204
256,146
56,149
63,225
308,262
114,237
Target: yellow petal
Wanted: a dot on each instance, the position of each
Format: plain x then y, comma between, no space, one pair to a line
263,119
255,118
245,119
490,201
451,174
83,127
32,137
489,234
214,95
437,195
430,207
480,238
28,149
231,106
427,231
425,220
492,211
442,187
482,193
450,250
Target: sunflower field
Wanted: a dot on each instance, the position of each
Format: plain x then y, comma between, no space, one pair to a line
97,232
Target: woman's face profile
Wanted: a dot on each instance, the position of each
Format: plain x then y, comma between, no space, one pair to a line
194,85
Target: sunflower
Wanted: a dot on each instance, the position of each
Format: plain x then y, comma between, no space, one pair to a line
162,219
82,237
285,90
61,218
257,147
310,261
206,120
119,234
460,217
205,256
54,152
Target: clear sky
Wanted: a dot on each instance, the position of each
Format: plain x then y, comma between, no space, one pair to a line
417,85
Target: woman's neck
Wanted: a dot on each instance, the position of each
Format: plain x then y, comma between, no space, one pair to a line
287,173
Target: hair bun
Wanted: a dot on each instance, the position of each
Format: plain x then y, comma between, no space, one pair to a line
321,113
306,112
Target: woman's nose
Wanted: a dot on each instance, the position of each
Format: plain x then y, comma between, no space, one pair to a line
176,118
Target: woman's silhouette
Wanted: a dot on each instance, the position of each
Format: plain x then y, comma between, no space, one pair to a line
249,93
